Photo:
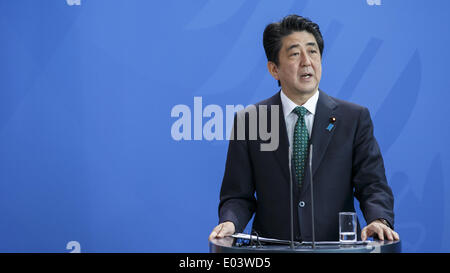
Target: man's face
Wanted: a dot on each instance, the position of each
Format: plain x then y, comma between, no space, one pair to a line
299,67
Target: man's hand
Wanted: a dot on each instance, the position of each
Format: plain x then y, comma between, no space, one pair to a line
383,231
222,230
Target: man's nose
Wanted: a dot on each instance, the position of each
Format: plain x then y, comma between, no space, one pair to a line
305,60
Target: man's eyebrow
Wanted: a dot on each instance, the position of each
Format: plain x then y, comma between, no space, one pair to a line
311,44
298,45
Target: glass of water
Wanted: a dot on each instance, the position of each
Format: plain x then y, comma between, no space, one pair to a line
347,227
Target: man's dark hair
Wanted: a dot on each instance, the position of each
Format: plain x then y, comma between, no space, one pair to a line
274,33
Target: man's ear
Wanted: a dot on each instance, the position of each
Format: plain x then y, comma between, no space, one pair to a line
273,69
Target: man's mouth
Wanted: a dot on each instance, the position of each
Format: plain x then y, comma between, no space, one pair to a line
306,75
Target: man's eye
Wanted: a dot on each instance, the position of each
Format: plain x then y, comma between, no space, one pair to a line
295,54
313,51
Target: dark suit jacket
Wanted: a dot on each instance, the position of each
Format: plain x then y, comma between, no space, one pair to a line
346,163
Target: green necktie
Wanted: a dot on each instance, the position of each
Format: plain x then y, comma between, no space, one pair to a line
301,138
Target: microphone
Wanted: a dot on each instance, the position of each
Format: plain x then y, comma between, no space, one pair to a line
291,198
312,196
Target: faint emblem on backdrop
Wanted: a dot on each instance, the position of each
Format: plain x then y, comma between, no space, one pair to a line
73,2
374,2
74,246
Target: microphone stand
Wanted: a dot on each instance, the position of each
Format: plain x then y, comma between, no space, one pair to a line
312,196
291,195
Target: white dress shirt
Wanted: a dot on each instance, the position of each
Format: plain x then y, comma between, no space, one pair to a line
291,117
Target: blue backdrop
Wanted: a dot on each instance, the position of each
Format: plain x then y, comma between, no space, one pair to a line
86,93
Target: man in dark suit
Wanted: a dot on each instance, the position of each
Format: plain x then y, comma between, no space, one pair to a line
346,160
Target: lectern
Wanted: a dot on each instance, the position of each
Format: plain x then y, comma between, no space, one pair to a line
227,245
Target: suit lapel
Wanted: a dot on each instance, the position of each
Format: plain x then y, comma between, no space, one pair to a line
282,153
321,136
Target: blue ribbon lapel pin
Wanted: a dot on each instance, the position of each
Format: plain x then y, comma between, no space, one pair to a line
331,124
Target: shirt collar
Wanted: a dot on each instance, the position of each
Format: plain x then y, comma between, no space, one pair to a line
289,105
